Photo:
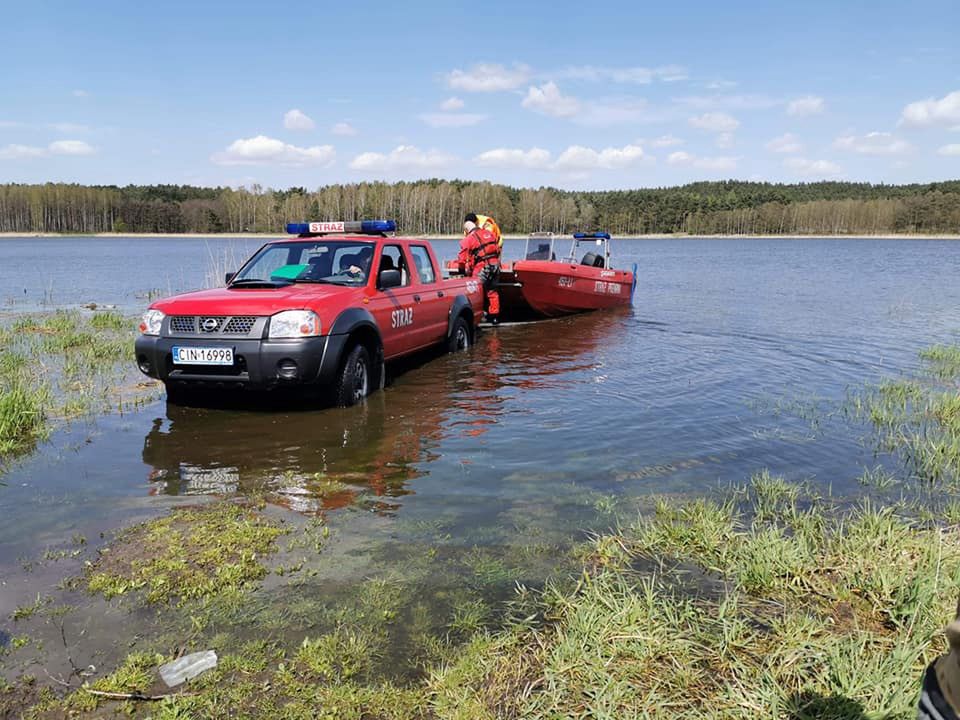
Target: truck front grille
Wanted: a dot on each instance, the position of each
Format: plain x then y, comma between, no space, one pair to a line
212,324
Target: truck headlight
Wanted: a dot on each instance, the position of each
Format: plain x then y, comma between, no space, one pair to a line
151,322
294,324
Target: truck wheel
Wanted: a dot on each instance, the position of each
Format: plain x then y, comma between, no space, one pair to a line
353,382
460,338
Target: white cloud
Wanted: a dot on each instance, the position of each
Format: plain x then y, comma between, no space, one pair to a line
403,157
297,120
68,128
18,152
262,150
80,93
451,104
875,143
70,147
59,147
548,100
489,77
786,143
632,75
721,163
667,141
812,168
574,159
715,122
534,158
577,157
924,113
452,120
725,141
806,105
343,128
952,150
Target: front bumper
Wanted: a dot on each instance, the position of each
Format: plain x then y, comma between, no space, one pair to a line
258,364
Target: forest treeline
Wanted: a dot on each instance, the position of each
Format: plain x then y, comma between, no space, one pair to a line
438,207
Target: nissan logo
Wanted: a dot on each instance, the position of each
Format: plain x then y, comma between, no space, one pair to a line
209,324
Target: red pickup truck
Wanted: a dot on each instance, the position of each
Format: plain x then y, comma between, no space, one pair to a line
325,310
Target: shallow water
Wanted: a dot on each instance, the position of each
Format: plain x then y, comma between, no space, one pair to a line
737,356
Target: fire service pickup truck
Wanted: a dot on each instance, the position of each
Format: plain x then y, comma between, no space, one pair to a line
324,310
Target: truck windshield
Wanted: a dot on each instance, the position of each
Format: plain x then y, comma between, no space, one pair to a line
338,262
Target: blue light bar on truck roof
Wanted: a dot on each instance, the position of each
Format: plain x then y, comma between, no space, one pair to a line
592,236
363,227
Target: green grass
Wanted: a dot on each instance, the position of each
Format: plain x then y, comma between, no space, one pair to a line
22,416
767,602
192,553
56,366
109,321
943,360
919,419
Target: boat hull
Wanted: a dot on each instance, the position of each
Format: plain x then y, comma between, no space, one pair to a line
543,288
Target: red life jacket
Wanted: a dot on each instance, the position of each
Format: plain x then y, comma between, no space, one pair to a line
485,247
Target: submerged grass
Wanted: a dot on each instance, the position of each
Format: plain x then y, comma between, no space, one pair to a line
919,419
767,602
88,354
192,553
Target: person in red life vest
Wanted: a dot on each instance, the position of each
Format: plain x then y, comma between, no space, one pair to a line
479,257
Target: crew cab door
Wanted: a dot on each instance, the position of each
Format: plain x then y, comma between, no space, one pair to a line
434,303
395,309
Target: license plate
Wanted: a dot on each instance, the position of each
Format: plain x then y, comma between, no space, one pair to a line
202,356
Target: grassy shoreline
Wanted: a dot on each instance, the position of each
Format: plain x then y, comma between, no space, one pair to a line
765,602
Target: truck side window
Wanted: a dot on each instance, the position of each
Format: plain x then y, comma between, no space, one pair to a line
421,259
392,259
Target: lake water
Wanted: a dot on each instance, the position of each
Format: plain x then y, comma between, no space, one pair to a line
737,356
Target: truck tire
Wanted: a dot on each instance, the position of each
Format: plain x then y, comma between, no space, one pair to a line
460,336
353,381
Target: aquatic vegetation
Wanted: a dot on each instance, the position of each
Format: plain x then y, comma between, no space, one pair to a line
919,419
88,357
767,602
803,621
943,360
192,553
22,416
109,321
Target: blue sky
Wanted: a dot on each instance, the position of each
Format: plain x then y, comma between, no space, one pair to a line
576,95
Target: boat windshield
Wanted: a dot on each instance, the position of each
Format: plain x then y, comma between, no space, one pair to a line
540,247
594,252
333,262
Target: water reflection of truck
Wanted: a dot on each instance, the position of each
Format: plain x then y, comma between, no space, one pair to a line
312,461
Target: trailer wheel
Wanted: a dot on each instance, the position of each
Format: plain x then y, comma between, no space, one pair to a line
353,381
460,337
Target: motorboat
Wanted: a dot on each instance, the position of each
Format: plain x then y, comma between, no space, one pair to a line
541,285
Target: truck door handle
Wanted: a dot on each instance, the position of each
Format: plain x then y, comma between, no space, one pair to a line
416,298
439,293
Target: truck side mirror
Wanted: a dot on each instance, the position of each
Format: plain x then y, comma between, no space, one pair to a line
389,279
228,277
